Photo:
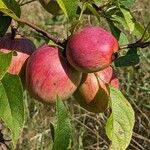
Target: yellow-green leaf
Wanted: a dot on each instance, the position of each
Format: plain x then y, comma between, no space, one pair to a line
11,105
69,7
120,124
5,60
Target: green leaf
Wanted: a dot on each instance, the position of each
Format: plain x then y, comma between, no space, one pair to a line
139,30
118,19
128,18
11,105
119,16
5,60
136,28
69,7
123,39
130,59
114,29
63,130
11,5
126,3
119,126
10,8
93,10
9,13
5,22
51,6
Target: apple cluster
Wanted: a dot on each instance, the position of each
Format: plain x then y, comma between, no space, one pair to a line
84,71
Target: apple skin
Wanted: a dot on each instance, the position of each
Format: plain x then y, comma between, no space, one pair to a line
108,76
48,74
51,6
91,49
93,92
23,47
114,82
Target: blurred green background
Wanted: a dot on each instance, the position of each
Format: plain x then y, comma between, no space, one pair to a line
89,133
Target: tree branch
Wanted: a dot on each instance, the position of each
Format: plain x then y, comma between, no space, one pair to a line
144,32
100,8
136,45
140,43
55,39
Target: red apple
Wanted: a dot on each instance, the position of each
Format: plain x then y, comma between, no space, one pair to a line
93,93
23,47
91,49
106,74
49,74
114,82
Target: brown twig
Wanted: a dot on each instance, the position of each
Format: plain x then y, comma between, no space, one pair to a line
137,44
14,27
100,8
140,43
19,1
22,4
55,39
144,32
3,141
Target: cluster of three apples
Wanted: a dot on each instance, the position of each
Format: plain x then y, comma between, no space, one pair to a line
84,72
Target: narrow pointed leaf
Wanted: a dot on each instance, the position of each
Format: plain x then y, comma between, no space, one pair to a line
63,129
128,18
11,105
9,8
93,10
127,3
114,29
11,5
123,40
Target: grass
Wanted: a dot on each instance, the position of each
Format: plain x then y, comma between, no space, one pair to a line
89,133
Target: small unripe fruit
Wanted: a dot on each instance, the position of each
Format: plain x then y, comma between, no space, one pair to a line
23,47
91,49
93,93
49,74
